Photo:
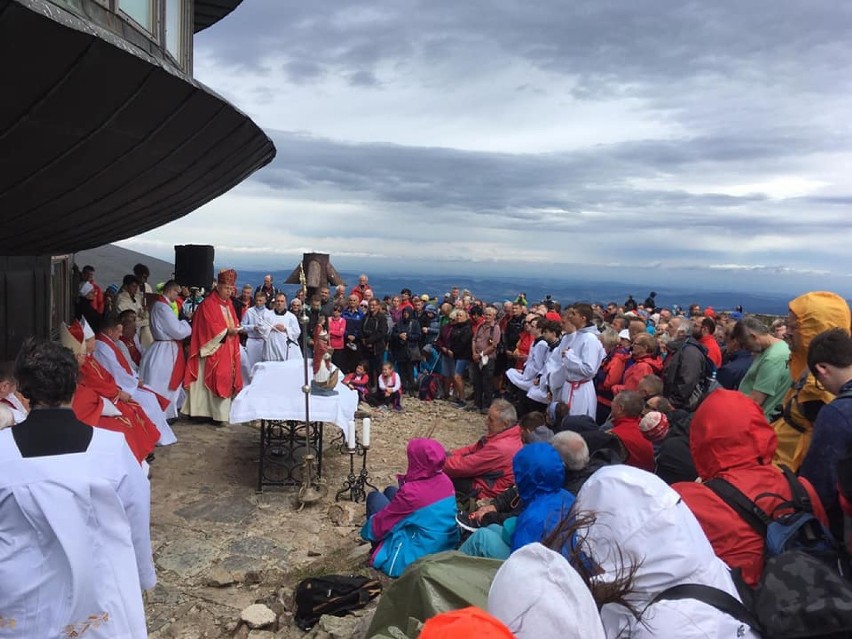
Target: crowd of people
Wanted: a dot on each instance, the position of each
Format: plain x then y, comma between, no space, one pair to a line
628,449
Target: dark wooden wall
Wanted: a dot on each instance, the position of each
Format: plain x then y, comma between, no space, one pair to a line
25,301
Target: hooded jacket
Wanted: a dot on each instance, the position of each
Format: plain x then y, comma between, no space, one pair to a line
420,519
640,519
815,313
640,451
684,369
488,461
553,603
641,367
539,474
730,438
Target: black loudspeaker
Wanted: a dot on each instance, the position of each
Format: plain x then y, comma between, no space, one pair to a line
194,265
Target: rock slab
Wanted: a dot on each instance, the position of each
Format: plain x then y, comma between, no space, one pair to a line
258,616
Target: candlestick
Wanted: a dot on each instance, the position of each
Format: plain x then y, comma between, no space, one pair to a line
365,432
350,435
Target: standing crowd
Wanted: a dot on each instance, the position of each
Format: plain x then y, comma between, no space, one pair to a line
637,468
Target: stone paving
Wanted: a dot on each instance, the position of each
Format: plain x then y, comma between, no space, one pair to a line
219,547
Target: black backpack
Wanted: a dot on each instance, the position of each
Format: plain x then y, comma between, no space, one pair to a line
332,595
707,384
805,589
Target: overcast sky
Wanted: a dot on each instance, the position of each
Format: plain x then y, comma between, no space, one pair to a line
689,141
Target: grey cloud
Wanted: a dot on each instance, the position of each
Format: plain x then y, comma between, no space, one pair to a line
563,191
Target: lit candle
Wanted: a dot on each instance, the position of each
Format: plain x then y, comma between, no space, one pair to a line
350,436
365,432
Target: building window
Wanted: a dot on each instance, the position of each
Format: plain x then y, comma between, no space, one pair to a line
174,28
140,10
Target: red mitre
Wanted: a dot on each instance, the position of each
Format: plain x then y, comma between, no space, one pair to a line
76,330
227,276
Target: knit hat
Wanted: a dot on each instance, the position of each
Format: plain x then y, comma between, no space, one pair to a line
467,623
654,426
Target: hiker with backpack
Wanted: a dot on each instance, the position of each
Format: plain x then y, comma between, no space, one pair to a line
633,539
830,362
685,369
730,439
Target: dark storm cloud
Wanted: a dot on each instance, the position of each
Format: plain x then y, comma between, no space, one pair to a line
561,190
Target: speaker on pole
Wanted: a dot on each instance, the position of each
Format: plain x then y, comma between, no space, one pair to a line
194,265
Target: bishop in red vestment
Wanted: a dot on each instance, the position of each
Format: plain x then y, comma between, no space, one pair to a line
213,373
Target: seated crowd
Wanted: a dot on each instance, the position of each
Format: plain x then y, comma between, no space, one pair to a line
704,432
627,451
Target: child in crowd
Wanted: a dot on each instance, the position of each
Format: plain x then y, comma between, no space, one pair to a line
389,392
359,381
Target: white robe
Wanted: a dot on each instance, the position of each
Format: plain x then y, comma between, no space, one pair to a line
77,544
281,346
257,322
532,367
572,382
129,383
538,393
158,362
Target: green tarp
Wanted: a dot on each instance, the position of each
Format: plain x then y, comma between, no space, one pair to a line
434,584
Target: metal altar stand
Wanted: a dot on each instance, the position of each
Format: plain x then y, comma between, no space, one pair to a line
283,446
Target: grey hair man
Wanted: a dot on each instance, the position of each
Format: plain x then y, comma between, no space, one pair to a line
572,448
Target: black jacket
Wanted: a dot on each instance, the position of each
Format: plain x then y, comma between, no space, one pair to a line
374,333
683,371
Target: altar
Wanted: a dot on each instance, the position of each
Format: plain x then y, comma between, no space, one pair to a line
275,397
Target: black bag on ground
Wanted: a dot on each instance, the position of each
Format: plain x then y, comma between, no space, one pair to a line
805,589
332,595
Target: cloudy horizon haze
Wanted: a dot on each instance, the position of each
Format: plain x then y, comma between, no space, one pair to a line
686,143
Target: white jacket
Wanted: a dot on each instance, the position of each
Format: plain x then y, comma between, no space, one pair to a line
538,595
647,520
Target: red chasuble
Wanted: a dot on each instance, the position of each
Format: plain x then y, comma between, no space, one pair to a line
96,382
222,375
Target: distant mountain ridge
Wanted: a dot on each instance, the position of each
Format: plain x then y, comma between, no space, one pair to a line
113,262
498,289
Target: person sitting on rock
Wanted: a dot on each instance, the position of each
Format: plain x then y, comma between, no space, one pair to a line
389,391
540,473
418,517
484,469
359,381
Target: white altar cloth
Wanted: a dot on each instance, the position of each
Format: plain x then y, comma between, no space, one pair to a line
275,392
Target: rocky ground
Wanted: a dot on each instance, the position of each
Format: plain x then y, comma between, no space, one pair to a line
219,547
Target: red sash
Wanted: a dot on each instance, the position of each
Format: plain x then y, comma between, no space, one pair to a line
103,339
130,343
179,368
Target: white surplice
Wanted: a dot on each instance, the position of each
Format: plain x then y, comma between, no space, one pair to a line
553,362
572,382
282,345
76,550
532,367
129,383
258,323
158,362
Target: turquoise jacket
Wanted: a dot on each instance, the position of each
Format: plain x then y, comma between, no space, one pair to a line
428,530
